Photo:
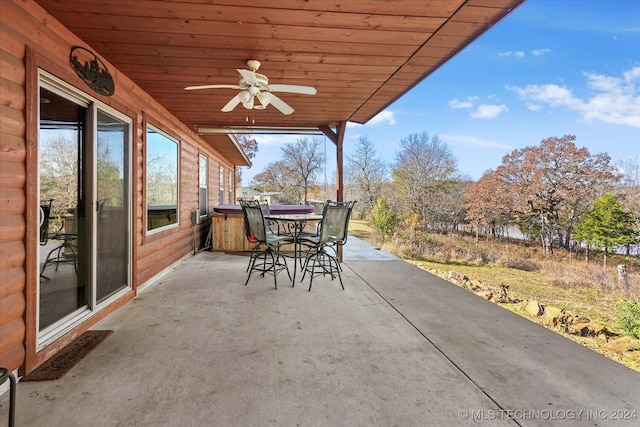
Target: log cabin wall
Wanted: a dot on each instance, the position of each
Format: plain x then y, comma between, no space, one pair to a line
31,39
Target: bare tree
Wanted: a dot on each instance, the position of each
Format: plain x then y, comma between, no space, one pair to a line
424,171
365,173
59,172
250,147
305,160
629,191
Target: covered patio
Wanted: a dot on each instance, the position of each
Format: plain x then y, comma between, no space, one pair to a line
398,346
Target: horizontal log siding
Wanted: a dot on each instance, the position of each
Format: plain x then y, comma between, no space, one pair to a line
27,27
12,202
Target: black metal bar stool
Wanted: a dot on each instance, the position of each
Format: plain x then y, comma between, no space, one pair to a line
5,375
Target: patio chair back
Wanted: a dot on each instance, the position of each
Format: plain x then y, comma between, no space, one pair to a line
255,229
45,213
335,222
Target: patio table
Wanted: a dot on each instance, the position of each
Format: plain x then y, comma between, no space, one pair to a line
294,224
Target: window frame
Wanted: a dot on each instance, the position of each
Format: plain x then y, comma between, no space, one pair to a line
203,199
176,224
221,179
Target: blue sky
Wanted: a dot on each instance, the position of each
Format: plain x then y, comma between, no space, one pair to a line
550,68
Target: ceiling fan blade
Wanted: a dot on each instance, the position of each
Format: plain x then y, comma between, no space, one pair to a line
229,106
212,87
280,105
248,76
306,90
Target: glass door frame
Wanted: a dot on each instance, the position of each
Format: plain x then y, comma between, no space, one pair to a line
51,333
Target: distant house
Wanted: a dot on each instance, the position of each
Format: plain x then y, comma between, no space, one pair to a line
272,197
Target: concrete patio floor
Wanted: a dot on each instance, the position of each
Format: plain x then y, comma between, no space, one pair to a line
397,347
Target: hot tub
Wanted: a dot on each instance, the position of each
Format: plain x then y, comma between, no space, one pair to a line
228,225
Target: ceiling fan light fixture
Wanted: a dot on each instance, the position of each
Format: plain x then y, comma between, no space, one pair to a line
244,96
249,104
264,98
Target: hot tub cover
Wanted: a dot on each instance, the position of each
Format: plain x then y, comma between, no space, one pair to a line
274,209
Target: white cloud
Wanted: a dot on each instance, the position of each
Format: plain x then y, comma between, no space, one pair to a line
611,99
472,140
517,53
488,111
551,94
540,52
467,103
385,117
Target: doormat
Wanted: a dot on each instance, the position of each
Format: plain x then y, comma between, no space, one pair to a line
67,358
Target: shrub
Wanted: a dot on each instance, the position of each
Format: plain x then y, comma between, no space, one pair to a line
383,220
628,314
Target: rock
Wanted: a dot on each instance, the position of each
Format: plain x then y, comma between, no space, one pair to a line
581,329
488,295
552,313
622,344
533,308
597,329
580,319
587,328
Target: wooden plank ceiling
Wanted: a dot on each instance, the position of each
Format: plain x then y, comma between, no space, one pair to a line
360,55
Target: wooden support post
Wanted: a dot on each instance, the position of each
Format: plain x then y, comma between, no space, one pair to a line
338,138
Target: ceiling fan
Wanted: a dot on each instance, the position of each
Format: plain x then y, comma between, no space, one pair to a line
254,85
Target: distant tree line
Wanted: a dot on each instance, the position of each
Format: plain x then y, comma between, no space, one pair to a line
555,193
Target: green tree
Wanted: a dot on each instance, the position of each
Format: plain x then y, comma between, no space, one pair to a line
383,220
606,225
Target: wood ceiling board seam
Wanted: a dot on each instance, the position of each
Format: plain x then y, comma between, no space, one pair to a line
98,22
263,15
343,48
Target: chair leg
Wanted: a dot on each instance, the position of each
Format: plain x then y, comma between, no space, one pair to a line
252,263
313,267
338,268
274,267
284,262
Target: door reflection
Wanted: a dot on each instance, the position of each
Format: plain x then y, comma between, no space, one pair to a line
62,289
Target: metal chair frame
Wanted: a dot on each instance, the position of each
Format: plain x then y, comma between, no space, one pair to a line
267,243
333,232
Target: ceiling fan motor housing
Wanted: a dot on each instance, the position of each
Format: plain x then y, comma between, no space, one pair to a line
261,82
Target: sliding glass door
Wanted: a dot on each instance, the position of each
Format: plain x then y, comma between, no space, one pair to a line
63,233
112,206
84,183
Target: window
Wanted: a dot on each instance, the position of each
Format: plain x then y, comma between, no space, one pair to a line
230,189
221,185
203,185
162,180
